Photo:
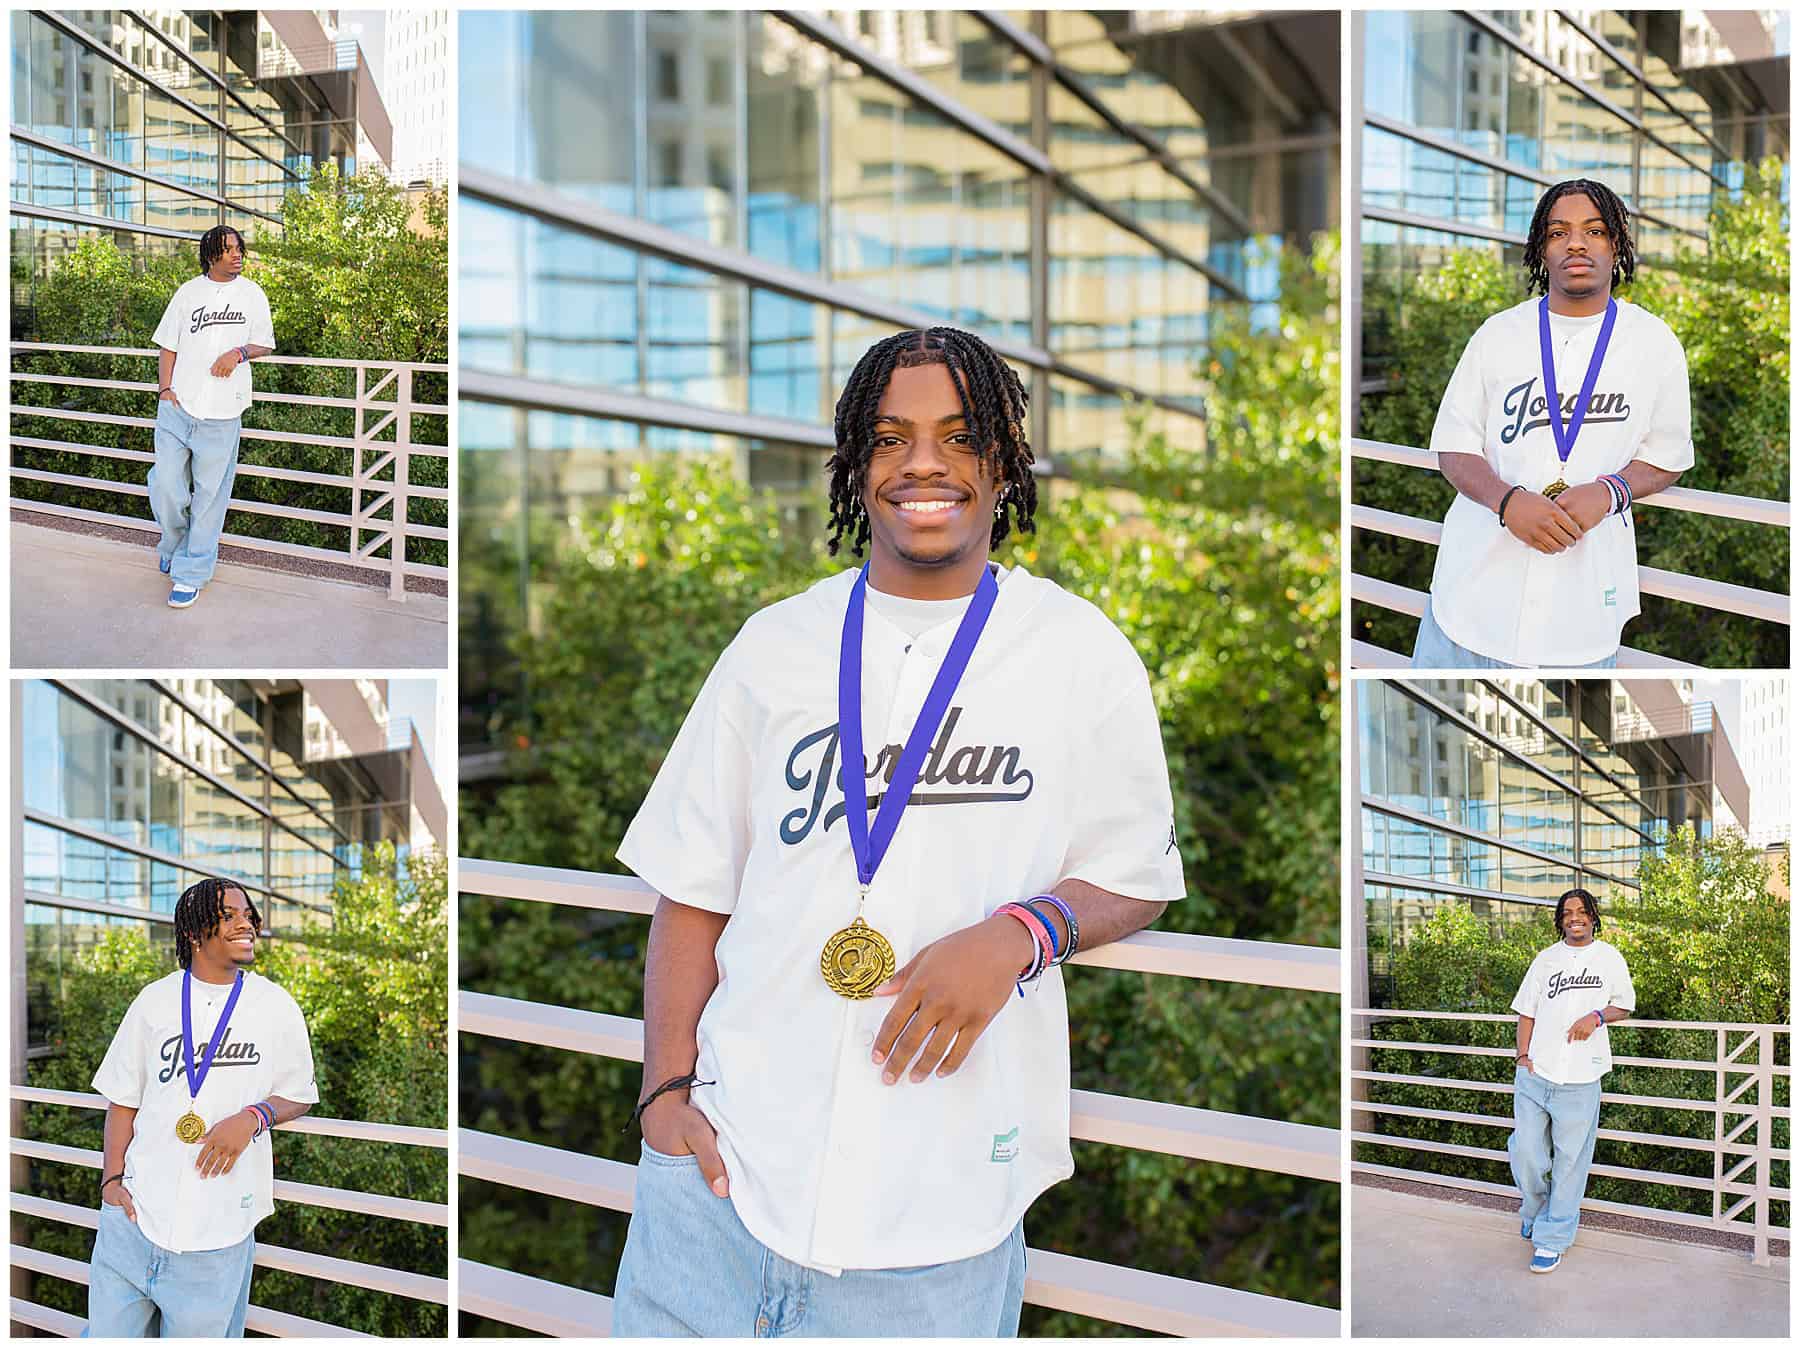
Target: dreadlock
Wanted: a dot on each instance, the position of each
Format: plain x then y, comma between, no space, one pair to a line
212,245
1612,213
993,405
200,910
1587,902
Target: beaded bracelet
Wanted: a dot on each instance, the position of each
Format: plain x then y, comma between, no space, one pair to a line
1068,914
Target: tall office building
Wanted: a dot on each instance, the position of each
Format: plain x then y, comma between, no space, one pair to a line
415,76
1500,794
148,127
129,791
1466,116
678,231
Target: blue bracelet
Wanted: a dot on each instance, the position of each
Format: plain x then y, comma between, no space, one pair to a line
1068,917
1050,928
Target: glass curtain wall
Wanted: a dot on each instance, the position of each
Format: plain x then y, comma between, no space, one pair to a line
147,127
932,162
1499,796
1530,98
134,790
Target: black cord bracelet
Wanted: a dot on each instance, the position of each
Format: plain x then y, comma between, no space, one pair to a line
672,1084
1504,499
109,1179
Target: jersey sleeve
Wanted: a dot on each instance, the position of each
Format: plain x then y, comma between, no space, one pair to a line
262,325
123,1070
1669,441
1122,831
690,839
1619,991
293,1078
1461,425
168,330
1525,1002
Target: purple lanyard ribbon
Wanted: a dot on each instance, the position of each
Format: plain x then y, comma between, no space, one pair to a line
196,1075
1565,440
869,844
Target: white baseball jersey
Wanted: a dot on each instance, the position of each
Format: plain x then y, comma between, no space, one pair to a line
1502,598
204,320
1564,984
1048,766
265,1051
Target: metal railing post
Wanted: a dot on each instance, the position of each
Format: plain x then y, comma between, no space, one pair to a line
403,398
1718,1195
356,466
1765,1142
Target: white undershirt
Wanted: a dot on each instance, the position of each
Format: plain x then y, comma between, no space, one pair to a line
915,617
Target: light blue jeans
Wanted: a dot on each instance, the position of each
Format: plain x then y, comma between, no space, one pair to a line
1435,650
1551,1147
190,488
691,1270
138,1290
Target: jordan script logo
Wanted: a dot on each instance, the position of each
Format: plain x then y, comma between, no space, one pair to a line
1528,412
1570,982
242,1053
206,318
812,766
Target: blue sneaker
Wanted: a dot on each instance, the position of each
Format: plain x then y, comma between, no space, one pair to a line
1545,1261
162,564
1525,1230
182,597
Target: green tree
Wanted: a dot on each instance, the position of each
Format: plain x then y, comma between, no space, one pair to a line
373,985
1218,561
1728,306
348,278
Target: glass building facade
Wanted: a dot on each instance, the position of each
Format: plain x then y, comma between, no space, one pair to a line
1502,794
1465,117
149,127
678,231
132,790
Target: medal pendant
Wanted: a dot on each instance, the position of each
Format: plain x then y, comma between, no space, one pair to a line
1555,489
856,961
190,1127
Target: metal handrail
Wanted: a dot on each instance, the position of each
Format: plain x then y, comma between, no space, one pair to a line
1732,1194
372,496
329,1268
1128,1296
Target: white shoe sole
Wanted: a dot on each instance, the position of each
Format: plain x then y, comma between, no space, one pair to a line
184,603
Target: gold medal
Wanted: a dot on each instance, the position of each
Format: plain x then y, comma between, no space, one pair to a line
190,1127
857,960
1555,489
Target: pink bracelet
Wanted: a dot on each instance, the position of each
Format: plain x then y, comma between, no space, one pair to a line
1039,937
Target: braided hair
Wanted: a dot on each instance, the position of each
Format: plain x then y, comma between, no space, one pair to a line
200,910
1587,902
1612,213
212,245
993,405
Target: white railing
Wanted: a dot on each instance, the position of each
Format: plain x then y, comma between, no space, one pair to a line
381,443
1720,596
1742,1105
1147,1301
260,1319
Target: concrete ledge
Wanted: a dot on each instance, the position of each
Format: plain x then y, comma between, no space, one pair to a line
85,602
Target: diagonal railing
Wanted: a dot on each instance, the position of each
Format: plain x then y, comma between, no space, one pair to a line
259,1319
1718,595
1147,1301
381,447
1741,1103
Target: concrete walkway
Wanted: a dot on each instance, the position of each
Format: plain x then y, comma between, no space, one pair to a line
1435,1268
85,602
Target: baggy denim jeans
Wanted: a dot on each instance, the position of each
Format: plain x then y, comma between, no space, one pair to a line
138,1290
1551,1147
1435,650
691,1270
190,488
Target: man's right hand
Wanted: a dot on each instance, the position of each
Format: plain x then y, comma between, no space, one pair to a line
1538,522
119,1196
675,1128
168,396
1525,1062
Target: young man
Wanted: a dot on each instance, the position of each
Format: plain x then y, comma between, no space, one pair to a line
205,1063
856,1073
1571,993
1562,412
213,328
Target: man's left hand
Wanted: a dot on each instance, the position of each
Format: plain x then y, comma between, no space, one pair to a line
223,1143
1588,503
230,360
949,991
1584,1027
